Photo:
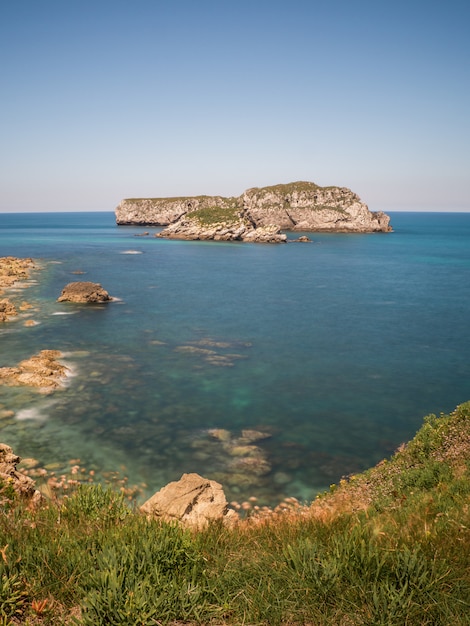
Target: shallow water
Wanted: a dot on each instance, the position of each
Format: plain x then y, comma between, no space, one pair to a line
336,349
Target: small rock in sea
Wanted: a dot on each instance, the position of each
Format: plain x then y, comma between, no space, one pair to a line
30,323
84,292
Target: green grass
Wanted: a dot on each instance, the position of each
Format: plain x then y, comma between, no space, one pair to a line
386,547
290,187
210,216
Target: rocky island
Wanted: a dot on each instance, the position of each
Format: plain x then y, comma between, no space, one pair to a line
258,215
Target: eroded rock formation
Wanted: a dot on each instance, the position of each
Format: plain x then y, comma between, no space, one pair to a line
189,227
308,207
300,206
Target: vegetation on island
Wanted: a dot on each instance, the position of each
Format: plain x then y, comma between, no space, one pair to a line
287,188
209,216
386,547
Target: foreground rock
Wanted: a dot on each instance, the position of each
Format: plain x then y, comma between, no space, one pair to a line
300,206
10,477
192,501
84,292
42,371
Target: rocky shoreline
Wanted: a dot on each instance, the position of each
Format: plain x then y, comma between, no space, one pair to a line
259,215
43,371
14,271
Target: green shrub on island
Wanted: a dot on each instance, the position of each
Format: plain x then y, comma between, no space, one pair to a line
385,547
209,216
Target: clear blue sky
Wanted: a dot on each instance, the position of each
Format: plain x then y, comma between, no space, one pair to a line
103,100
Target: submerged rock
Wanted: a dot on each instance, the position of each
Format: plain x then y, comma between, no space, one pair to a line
84,292
192,501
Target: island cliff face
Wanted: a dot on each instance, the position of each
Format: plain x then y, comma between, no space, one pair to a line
259,214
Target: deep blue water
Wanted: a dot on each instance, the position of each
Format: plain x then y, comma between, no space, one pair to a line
336,349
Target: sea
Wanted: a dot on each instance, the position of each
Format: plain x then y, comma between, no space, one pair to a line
276,370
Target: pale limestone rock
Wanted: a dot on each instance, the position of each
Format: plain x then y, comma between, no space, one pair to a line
309,207
192,501
239,230
163,211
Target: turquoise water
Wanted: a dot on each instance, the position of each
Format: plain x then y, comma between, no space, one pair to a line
335,349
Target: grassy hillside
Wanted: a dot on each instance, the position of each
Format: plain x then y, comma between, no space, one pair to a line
390,546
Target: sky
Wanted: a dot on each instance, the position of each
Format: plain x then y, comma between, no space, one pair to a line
103,100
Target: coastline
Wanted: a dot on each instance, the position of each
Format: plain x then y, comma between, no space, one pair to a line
15,275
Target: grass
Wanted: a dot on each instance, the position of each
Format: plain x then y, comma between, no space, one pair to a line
209,216
290,188
386,547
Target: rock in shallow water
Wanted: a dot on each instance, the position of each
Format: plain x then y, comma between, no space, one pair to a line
42,371
84,292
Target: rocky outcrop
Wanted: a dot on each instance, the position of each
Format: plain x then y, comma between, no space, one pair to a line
22,485
84,292
7,310
190,227
191,501
307,207
300,206
42,371
13,270
164,211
